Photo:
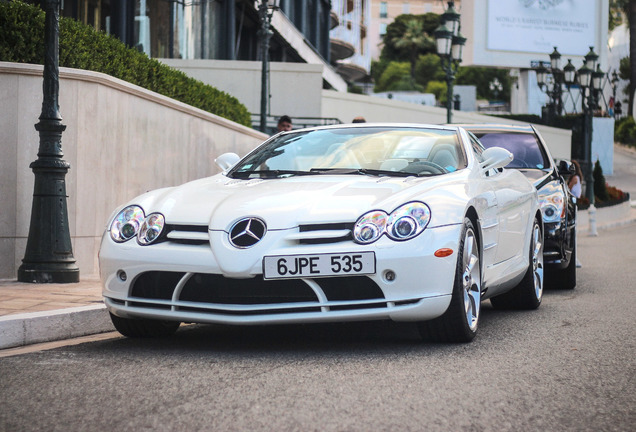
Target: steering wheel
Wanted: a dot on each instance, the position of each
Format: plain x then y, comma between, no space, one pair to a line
426,166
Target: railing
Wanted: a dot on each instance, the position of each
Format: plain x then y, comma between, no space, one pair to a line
298,122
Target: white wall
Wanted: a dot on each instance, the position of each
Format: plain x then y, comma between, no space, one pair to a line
295,88
346,106
120,140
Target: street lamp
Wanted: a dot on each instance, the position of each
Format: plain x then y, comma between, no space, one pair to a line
266,10
49,254
450,45
553,87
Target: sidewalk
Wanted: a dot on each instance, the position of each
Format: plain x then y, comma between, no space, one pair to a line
34,313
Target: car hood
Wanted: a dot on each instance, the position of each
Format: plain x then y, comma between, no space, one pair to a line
537,177
286,203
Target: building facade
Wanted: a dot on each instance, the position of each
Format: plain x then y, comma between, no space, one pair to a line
304,31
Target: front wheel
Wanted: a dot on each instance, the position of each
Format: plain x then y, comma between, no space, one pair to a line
144,328
460,321
529,293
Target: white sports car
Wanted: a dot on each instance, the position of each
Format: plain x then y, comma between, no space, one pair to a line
353,222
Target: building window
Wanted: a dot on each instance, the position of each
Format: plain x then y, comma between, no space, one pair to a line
405,8
382,29
383,10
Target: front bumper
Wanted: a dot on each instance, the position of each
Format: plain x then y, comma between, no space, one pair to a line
216,283
558,244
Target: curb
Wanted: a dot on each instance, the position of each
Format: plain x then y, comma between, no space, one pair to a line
47,326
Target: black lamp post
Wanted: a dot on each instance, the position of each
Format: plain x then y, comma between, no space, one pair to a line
590,80
450,45
554,87
617,104
266,10
49,253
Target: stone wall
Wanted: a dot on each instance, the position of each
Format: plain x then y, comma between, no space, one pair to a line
121,140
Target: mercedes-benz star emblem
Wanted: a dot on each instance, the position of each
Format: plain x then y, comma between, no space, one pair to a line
247,232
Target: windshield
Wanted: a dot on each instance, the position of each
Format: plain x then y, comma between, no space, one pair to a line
523,146
368,151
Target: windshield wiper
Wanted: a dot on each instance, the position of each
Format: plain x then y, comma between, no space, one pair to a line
369,171
268,173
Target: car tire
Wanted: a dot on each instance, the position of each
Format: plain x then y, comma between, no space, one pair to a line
144,328
529,293
460,321
566,278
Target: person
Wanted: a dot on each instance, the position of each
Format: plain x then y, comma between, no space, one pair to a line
574,184
359,119
284,123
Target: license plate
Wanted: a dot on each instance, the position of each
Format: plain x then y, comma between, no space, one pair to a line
318,265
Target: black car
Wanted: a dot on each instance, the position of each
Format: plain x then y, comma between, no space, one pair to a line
558,205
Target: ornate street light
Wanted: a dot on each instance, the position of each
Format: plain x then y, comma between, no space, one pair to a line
450,45
49,254
569,73
266,10
553,87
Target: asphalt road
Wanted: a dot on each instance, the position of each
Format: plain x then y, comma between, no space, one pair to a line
569,366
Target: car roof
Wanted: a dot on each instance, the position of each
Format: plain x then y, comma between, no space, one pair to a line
494,127
452,127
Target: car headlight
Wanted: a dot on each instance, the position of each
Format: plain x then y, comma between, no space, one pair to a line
126,224
408,221
552,206
151,229
404,223
370,227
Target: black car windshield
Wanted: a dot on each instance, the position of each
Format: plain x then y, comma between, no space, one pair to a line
524,146
377,151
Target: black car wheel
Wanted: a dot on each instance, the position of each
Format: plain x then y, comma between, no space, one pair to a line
144,328
529,293
460,321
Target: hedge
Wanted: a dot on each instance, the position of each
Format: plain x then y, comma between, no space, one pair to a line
82,47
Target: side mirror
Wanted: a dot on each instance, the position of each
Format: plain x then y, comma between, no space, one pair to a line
227,160
566,168
496,157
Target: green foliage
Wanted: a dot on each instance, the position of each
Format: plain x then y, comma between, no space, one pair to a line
21,41
481,77
396,77
428,68
395,31
439,89
600,186
413,41
618,13
625,131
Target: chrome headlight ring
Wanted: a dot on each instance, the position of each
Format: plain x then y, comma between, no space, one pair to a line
151,229
404,223
370,227
408,221
552,206
126,224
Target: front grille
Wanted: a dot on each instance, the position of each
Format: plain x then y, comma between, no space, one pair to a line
187,234
325,233
213,293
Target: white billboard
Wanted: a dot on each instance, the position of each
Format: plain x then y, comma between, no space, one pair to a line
536,26
513,33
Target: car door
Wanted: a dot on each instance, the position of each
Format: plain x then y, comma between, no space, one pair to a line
506,228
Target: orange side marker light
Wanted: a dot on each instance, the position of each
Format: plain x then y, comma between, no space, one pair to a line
443,252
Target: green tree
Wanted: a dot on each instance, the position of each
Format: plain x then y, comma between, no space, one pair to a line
396,77
397,29
428,68
413,41
481,78
438,88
